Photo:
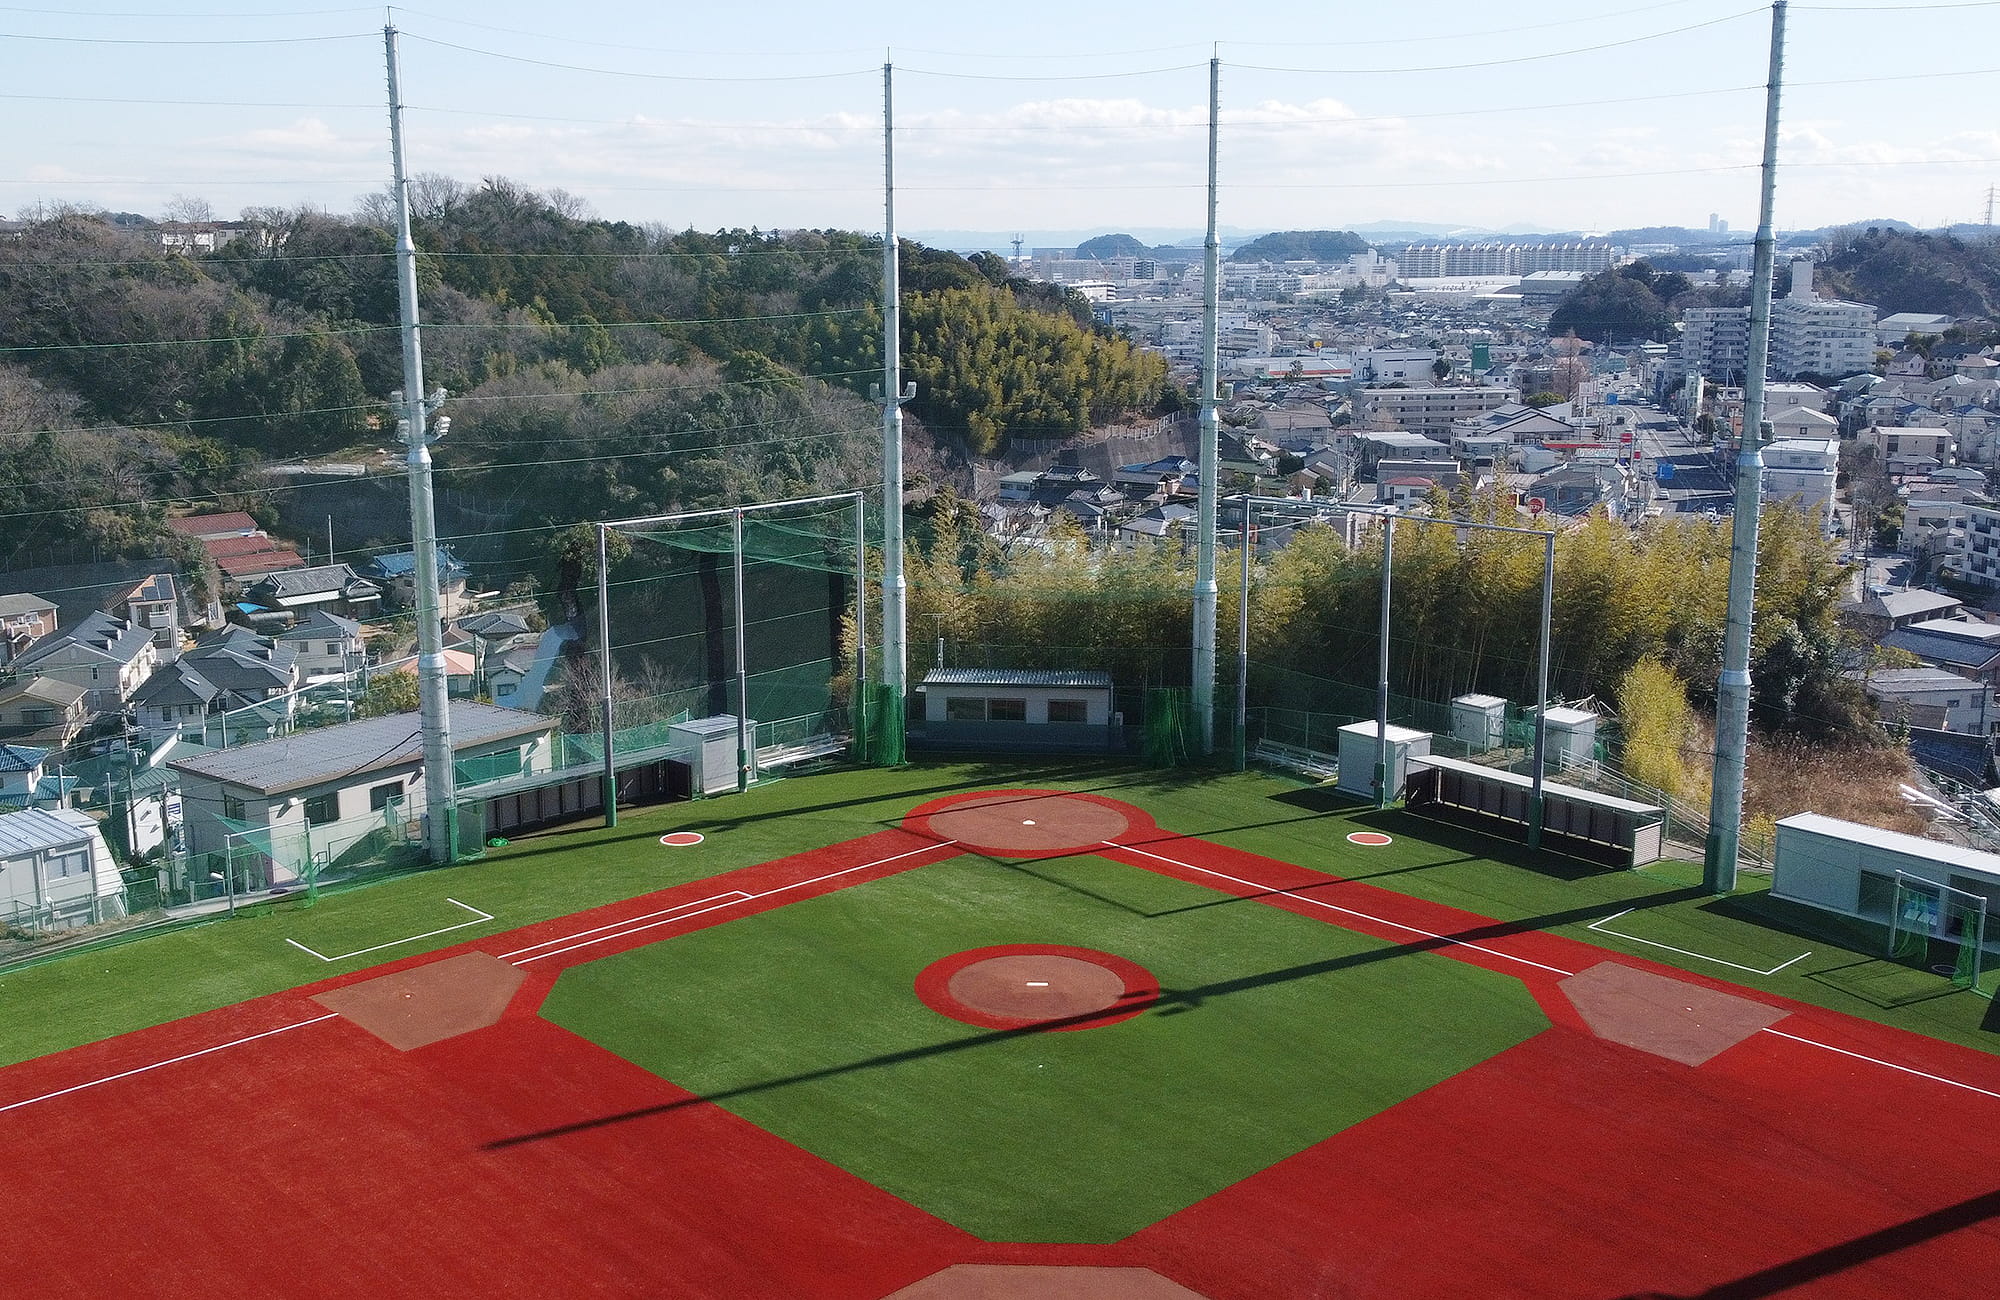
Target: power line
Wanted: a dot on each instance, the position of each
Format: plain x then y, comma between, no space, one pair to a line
154,41
1507,62
642,76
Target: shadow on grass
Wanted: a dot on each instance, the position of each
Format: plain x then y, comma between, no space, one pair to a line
1170,1002
1848,1254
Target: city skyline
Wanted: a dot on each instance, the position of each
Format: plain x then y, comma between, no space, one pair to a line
1649,115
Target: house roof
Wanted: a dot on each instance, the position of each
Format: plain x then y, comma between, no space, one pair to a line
318,626
1895,681
105,635
34,829
50,690
315,581
1055,677
495,624
21,758
178,683
397,564
226,524
1942,648
262,556
1903,604
159,586
351,749
24,603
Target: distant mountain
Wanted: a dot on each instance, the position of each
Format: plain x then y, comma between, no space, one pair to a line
1288,245
1104,246
1902,271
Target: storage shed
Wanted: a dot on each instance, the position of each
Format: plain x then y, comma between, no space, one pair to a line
1359,745
1034,708
1845,867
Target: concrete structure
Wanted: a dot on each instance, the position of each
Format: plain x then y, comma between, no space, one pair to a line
56,872
1811,335
1431,410
1715,341
337,785
1979,561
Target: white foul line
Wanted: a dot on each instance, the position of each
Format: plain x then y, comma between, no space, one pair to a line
482,918
619,925
1429,934
1604,927
739,897
188,1056
625,928
1876,1060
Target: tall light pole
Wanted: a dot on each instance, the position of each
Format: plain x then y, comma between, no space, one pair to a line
1204,582
1732,694
895,609
416,429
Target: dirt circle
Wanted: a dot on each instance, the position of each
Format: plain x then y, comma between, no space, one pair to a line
1370,839
1039,986
1029,822
1047,986
681,839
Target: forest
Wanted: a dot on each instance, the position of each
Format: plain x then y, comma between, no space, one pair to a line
621,369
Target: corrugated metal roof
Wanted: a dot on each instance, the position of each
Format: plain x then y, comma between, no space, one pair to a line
33,829
351,748
1055,677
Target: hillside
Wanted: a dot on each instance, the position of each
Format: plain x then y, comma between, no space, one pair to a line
1301,245
1901,271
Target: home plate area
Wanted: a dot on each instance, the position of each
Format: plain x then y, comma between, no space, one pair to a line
429,1003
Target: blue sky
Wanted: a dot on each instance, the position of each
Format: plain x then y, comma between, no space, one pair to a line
1034,117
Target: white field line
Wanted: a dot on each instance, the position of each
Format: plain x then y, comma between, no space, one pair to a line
172,1060
1604,927
625,929
1348,911
480,919
739,897
1876,1060
733,894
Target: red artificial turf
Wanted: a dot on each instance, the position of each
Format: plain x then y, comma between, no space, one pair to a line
520,1160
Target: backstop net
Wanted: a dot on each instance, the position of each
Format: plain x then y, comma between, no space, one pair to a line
751,612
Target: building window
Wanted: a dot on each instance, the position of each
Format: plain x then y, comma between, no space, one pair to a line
37,717
323,808
962,709
232,807
333,647
501,690
1007,710
66,866
1068,711
382,796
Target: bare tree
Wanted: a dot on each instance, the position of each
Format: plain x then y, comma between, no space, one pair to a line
188,209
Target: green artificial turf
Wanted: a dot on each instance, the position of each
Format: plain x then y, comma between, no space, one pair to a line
1275,1032
97,994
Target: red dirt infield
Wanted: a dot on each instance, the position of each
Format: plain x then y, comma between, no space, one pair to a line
271,1148
991,987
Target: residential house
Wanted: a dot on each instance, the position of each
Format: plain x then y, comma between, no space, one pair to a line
324,645
1373,448
1159,477
56,872
396,575
1802,470
240,549
506,671
1580,486
155,603
25,618
1930,697
1979,560
1798,422
21,774
43,710
1155,525
107,656
1906,449
232,683
1965,646
338,785
335,588
1432,410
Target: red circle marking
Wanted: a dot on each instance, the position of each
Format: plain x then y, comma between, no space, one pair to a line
1141,990
681,839
1370,839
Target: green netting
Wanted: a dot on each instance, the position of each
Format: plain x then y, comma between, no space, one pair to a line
1925,915
880,737
1912,920
1170,727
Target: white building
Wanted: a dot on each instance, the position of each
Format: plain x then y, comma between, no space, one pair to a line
1803,469
1811,335
1715,341
56,871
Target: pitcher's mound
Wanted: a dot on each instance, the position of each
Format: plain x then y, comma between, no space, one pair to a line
1043,1282
1028,823
428,1004
1047,986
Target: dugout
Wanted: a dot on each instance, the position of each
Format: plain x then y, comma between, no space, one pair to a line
1582,823
1854,870
1017,709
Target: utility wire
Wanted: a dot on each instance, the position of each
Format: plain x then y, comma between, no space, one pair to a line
1507,62
642,76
